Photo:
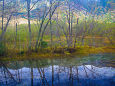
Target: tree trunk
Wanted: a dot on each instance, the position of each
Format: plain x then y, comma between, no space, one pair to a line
16,34
51,24
5,28
71,38
42,34
76,33
29,25
3,16
69,28
40,30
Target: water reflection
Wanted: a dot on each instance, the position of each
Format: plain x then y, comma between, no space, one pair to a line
57,72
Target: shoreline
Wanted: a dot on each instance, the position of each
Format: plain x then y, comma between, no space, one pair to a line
79,51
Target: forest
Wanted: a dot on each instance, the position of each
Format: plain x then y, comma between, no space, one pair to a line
56,26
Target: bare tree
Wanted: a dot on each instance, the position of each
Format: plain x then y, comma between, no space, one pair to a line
29,25
51,24
5,28
29,18
76,34
3,15
9,11
42,33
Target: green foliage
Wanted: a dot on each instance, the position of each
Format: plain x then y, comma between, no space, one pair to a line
21,53
44,44
2,49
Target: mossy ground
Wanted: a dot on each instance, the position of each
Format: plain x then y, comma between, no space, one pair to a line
48,53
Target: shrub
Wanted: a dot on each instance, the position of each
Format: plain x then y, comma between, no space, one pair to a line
44,44
2,49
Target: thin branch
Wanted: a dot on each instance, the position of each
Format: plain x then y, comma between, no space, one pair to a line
33,5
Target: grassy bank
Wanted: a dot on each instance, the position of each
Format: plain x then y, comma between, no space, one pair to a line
57,53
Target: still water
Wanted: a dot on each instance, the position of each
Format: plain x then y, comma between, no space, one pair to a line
92,70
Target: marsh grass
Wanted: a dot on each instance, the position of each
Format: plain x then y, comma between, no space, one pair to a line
95,41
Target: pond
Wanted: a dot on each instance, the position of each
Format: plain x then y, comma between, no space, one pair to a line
92,70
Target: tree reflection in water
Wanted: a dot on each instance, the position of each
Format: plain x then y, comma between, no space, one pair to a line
51,73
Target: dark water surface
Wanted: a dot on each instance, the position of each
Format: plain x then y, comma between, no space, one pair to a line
92,70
